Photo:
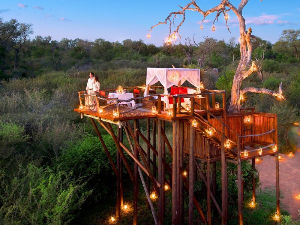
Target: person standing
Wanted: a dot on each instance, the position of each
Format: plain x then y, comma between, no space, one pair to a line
90,89
96,86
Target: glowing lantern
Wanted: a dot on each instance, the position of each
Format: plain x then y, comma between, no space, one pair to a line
260,151
210,131
185,173
116,113
194,123
154,110
170,112
245,153
257,160
296,124
280,157
217,105
248,119
201,26
188,108
291,155
252,204
242,98
112,220
227,144
276,217
100,110
120,90
166,187
153,196
226,17
279,97
81,107
298,197
148,35
213,29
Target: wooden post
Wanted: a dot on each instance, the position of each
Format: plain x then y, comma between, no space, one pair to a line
224,179
159,105
118,201
174,106
253,181
154,146
174,174
191,172
239,180
180,170
213,100
277,185
148,150
214,177
208,203
161,174
192,99
136,187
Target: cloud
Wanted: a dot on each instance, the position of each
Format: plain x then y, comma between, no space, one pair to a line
262,20
64,19
38,7
21,5
4,10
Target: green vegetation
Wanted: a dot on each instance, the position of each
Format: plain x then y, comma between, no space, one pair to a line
52,167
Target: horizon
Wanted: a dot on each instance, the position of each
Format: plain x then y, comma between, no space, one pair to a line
65,19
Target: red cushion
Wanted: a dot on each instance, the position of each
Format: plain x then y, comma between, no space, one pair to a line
136,91
102,93
174,90
182,90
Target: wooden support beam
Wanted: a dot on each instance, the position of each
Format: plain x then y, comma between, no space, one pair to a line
136,187
161,174
120,137
224,179
180,170
148,149
239,184
109,129
104,147
253,181
208,187
277,185
174,174
191,173
154,147
166,140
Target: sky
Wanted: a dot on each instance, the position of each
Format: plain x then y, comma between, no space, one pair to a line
117,20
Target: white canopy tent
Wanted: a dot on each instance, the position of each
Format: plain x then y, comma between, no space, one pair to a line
171,76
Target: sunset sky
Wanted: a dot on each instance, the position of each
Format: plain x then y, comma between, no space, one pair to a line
131,19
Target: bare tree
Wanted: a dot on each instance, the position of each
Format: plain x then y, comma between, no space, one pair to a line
246,66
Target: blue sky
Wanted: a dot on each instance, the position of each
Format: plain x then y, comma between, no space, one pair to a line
131,19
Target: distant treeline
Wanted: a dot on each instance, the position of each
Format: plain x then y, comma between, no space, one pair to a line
21,56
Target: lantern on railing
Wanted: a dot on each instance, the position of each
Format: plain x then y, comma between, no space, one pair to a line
242,98
184,173
210,131
170,112
252,204
274,148
100,110
260,151
194,123
154,110
188,108
166,187
112,220
153,196
81,107
276,217
248,119
120,90
227,144
217,105
245,153
116,113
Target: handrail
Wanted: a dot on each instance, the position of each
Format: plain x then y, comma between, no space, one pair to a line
258,135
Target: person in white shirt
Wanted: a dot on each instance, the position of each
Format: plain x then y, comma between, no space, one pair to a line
96,86
90,89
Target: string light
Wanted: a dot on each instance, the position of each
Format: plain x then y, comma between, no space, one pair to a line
226,17
260,151
201,26
185,173
194,123
153,196
227,144
210,131
274,148
166,187
217,105
148,36
213,29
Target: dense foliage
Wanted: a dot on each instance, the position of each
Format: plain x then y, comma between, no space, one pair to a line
51,164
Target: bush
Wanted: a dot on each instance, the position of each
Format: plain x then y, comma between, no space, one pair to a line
40,196
224,82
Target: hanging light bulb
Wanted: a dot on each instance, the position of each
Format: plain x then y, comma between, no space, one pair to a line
148,36
112,220
166,187
226,17
252,204
213,28
260,151
185,173
153,196
248,119
201,26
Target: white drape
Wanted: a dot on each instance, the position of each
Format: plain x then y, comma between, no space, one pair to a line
171,76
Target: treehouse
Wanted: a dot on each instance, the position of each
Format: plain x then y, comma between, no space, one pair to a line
201,135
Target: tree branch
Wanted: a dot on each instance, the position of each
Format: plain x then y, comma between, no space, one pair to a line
278,94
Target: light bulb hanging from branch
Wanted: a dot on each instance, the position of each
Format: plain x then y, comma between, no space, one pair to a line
213,28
